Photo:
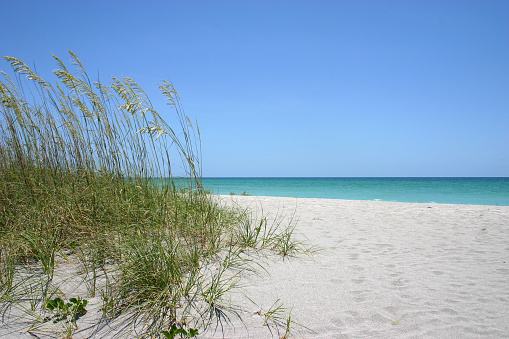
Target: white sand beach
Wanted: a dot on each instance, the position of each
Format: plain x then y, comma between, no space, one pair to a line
388,270
384,270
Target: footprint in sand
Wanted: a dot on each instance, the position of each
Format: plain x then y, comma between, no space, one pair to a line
353,256
359,299
398,283
338,322
356,268
358,281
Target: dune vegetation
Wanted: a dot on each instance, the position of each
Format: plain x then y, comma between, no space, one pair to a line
88,198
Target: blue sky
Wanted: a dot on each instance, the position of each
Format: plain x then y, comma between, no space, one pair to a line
301,88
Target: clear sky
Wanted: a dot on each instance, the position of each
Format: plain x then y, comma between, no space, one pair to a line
301,88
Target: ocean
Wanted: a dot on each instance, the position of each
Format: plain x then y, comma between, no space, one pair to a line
474,191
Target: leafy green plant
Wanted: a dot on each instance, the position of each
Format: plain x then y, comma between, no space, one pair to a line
69,311
174,331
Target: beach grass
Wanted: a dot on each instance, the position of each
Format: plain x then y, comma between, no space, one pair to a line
86,182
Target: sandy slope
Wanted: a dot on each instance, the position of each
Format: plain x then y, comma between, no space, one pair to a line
386,270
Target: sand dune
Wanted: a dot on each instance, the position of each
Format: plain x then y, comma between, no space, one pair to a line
385,270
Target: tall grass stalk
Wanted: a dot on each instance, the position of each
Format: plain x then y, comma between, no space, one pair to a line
86,177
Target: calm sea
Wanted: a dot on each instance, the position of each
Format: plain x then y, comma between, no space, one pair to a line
475,191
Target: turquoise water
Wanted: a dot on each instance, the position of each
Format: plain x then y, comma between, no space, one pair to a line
475,191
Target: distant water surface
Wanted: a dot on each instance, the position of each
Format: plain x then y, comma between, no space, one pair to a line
475,191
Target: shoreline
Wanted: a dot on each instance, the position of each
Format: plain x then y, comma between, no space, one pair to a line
387,269
354,200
